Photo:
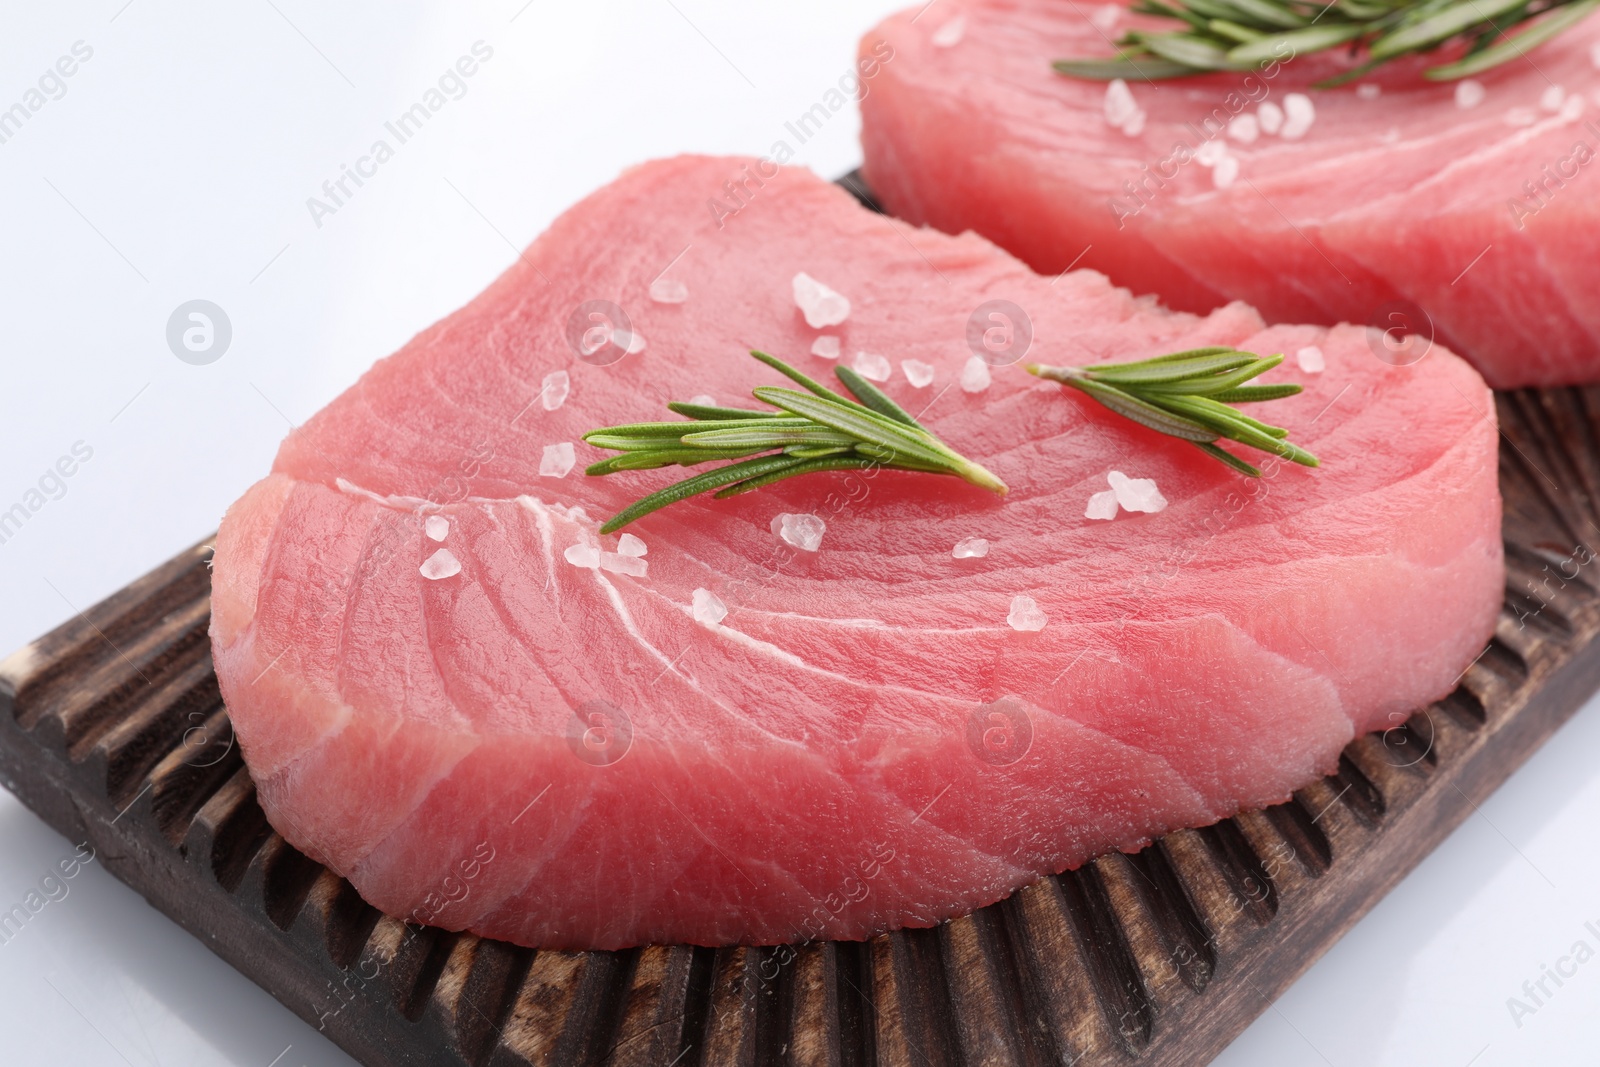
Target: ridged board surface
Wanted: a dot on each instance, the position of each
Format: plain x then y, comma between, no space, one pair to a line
112,728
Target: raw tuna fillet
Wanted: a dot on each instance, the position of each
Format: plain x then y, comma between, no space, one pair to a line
1467,212
451,690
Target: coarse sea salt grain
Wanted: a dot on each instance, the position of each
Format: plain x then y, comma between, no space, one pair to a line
585,556
630,545
918,373
617,563
1121,110
708,607
820,305
1245,129
1226,172
1136,494
1211,153
632,340
668,291
1102,505
1469,94
949,35
557,460
704,400
1119,103
557,386
1298,115
975,376
440,565
970,548
1311,360
437,527
1270,116
1369,90
1025,615
826,347
803,531
1104,17
1552,98
872,366
1573,107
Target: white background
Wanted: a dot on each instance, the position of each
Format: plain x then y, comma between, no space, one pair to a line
177,166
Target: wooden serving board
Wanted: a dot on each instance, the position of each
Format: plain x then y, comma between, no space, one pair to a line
113,730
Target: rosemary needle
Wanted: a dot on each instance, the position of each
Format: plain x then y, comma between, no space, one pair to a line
1186,395
811,431
1243,34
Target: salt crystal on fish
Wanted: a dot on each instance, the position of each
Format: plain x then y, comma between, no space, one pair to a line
440,565
1136,494
1469,94
553,393
437,527
975,376
1572,107
918,373
668,291
970,548
1552,98
873,367
1369,90
630,340
1121,110
585,556
1311,360
708,607
1299,112
704,400
1244,129
949,35
1102,505
820,305
803,531
826,347
630,545
617,563
1120,107
557,460
1226,172
1211,153
1025,615
1270,116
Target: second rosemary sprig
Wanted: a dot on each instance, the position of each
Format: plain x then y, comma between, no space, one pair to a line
1243,34
1187,395
814,430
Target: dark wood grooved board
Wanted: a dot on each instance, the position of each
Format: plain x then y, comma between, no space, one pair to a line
113,730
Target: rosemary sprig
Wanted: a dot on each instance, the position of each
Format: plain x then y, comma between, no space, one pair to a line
815,430
1186,395
1243,34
